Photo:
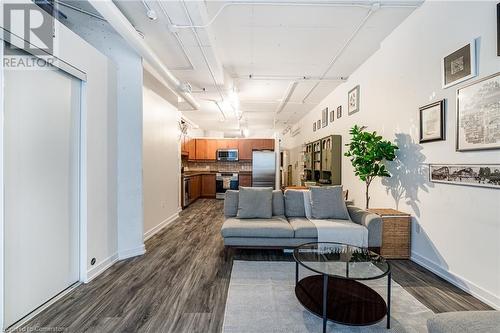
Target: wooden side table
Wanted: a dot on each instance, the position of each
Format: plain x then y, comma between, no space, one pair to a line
396,233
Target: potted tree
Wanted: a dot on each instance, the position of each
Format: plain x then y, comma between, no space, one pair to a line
368,151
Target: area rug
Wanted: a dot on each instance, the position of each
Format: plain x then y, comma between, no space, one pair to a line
261,299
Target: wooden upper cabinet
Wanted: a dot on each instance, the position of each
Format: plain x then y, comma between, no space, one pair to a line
211,149
191,148
201,149
263,144
245,149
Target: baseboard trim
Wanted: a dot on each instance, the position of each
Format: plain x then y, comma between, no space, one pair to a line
138,251
153,231
460,282
101,267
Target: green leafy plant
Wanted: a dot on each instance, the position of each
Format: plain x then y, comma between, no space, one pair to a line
368,151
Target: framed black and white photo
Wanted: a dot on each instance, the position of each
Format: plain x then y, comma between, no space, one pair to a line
314,127
324,117
432,123
498,29
353,100
478,115
318,124
481,175
339,111
332,116
460,65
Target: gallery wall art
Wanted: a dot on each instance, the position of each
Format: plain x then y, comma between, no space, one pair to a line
432,122
498,29
481,175
332,116
324,117
353,100
478,115
460,65
339,111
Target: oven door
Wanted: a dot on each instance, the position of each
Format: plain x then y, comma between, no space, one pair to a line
220,189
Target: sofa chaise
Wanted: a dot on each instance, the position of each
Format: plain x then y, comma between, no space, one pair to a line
288,227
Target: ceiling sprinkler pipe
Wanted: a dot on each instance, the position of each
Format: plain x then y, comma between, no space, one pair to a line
120,23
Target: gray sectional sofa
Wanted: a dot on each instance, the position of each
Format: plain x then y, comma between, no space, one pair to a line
288,227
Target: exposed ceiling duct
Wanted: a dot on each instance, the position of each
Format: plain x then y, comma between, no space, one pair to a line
120,23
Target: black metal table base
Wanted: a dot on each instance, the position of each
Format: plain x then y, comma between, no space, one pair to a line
343,301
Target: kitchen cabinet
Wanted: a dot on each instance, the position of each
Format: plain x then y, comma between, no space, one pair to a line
211,153
191,148
245,179
194,187
263,144
245,149
201,149
208,186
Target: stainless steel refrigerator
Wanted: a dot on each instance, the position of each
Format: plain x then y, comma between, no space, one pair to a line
263,168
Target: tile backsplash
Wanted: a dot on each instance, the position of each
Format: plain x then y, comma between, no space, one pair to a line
217,166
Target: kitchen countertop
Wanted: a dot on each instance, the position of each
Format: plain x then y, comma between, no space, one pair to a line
199,173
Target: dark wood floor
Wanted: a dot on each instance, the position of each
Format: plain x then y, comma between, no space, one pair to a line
181,284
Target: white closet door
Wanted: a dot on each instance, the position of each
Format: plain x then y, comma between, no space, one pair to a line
41,147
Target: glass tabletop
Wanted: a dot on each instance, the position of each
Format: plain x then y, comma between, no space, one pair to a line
341,260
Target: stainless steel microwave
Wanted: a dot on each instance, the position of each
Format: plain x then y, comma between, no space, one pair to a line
227,155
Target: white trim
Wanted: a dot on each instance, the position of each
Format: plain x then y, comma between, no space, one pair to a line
2,296
84,275
101,267
153,231
129,253
462,283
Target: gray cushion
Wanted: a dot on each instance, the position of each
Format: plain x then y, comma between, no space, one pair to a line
328,203
278,203
231,203
294,203
465,322
255,202
261,242
303,228
275,227
371,221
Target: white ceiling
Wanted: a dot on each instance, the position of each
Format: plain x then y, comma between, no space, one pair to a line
275,44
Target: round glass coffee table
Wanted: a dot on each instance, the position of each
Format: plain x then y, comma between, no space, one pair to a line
336,293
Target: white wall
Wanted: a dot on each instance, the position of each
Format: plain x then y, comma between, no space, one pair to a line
129,126
161,157
456,229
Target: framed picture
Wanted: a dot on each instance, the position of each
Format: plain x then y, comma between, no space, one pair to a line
339,111
481,175
353,100
432,124
478,115
318,124
498,29
324,117
460,65
332,116
314,127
